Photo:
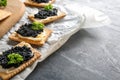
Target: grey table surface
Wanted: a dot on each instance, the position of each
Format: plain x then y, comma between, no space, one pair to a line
90,54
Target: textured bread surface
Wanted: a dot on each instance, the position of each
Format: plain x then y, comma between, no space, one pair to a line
4,14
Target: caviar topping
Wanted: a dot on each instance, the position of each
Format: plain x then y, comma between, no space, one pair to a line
41,1
31,30
46,12
15,56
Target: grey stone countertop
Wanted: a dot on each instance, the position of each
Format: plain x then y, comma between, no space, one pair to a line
90,54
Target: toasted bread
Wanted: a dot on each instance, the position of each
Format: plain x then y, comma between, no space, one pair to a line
31,3
6,75
4,14
36,41
60,15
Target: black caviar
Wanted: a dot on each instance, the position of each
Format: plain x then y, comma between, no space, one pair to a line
27,31
24,51
42,14
41,1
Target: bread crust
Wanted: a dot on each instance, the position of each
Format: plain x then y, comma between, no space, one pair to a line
4,14
41,42
31,3
9,74
60,15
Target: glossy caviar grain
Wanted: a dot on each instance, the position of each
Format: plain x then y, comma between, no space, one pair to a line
42,14
24,51
41,1
27,31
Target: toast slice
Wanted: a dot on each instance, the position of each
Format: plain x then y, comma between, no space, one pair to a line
50,19
6,75
39,40
4,14
32,3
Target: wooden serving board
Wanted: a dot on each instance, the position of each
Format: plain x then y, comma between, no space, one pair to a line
17,8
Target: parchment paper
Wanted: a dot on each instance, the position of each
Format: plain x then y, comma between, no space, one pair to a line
78,17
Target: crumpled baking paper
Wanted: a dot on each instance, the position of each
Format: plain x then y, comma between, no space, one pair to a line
78,17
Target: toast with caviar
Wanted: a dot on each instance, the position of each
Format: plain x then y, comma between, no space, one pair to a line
47,14
16,59
32,33
4,14
38,3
